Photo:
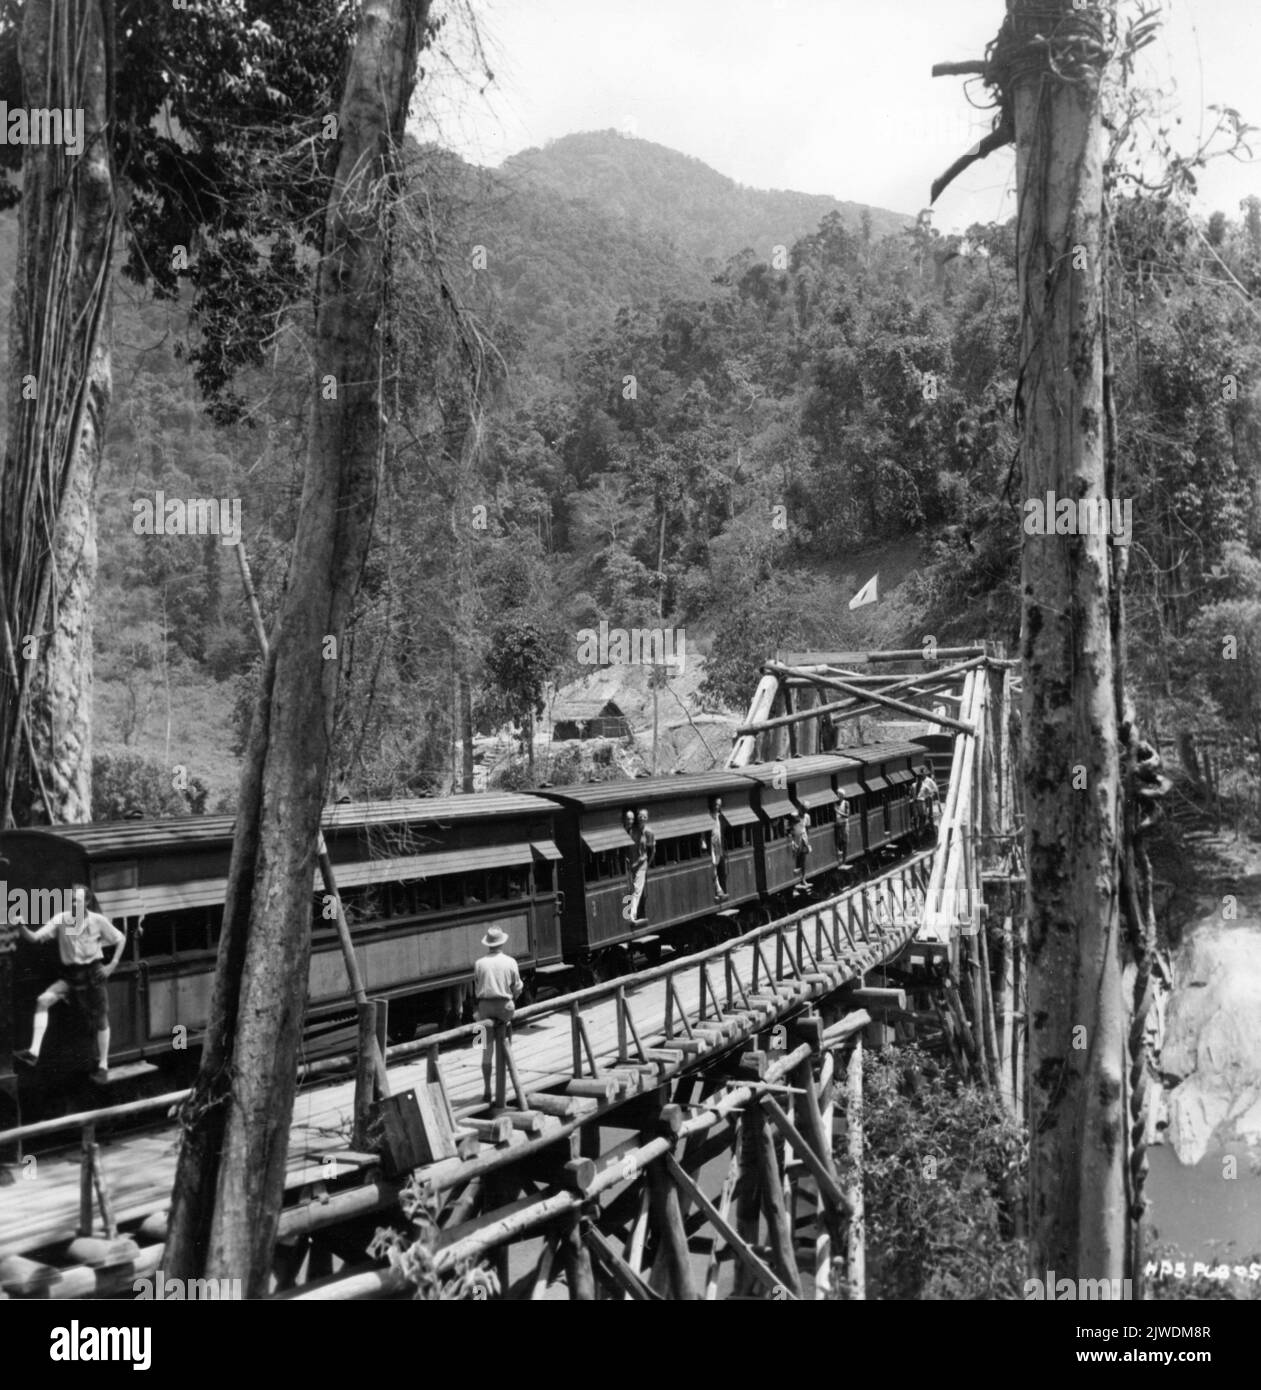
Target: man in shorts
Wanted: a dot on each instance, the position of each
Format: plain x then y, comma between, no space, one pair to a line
497,983
79,935
799,844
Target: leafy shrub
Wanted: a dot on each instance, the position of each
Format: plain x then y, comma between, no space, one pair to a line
944,1174
127,786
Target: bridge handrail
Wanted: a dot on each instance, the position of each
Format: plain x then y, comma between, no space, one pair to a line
608,989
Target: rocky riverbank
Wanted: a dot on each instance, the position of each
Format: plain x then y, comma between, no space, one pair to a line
1211,1049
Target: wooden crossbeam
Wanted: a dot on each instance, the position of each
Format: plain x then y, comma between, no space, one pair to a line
803,944
581,1043
673,1002
617,1271
667,1217
707,985
734,975
840,918
773,1205
725,1200
827,1183
759,958
626,1022
740,1248
543,1270
638,1233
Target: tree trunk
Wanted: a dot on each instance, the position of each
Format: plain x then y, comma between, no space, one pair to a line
1069,715
465,691
230,1178
59,393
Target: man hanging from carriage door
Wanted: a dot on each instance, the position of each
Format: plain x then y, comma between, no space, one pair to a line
641,857
628,859
717,850
925,802
842,830
79,935
799,843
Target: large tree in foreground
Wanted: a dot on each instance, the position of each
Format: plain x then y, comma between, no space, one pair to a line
201,153
1048,66
229,1184
58,398
1056,56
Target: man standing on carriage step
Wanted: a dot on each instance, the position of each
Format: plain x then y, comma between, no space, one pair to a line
926,799
497,984
79,936
799,843
717,850
641,857
842,830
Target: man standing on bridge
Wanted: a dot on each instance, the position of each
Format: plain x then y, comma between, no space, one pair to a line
79,935
497,983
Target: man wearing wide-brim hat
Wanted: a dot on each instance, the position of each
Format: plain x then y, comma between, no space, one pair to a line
497,983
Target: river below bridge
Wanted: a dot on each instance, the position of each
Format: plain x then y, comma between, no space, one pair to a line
1205,1179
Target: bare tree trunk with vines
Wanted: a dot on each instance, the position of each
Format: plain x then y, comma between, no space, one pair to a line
229,1184
59,394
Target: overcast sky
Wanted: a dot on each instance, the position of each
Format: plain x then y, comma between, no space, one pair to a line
821,96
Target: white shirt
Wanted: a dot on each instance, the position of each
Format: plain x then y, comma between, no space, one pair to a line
496,977
80,945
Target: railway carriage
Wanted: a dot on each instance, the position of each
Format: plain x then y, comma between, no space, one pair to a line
774,805
849,786
680,886
938,745
420,882
814,785
888,780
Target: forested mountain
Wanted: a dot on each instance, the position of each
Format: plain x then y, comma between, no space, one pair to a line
600,410
708,217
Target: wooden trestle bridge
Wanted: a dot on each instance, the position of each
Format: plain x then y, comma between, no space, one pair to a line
667,1134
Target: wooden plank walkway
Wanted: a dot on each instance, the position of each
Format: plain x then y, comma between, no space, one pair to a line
39,1213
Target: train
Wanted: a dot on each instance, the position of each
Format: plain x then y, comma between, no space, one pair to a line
422,880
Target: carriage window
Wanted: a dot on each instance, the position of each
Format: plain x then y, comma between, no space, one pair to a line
516,881
543,876
473,889
428,899
192,931
157,935
496,886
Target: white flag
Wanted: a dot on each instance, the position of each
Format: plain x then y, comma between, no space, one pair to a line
867,594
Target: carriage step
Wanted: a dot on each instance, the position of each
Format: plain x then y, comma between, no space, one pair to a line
558,969
129,1072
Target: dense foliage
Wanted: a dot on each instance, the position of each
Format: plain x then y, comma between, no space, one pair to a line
944,1172
604,427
